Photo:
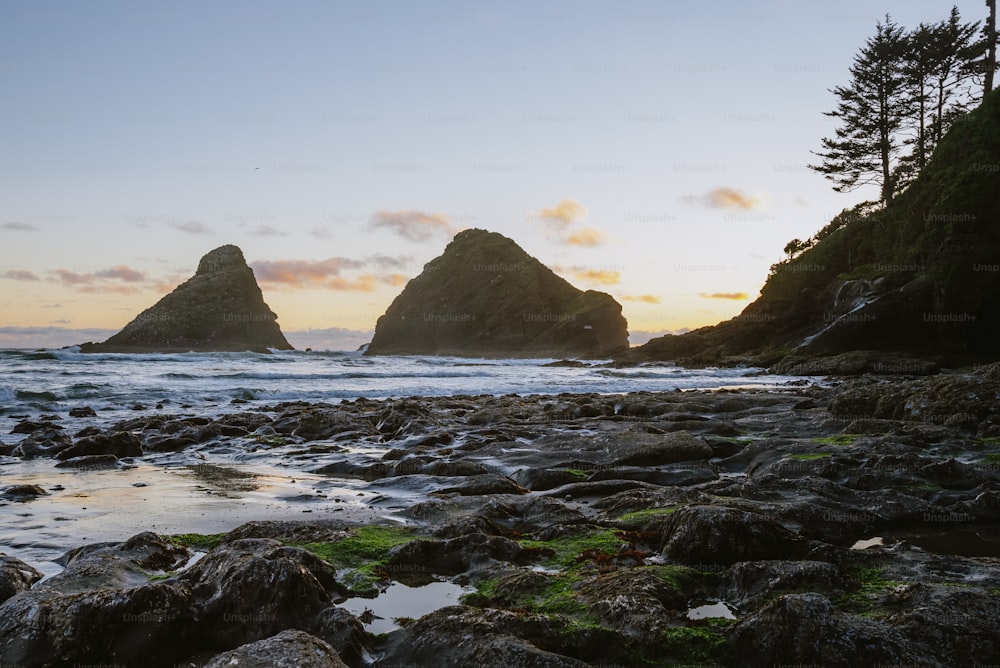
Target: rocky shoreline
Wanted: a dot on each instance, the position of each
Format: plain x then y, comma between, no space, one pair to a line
846,524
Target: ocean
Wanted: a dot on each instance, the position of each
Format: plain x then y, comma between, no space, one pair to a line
166,493
55,381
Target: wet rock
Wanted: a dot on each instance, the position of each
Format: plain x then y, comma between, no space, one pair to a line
418,560
288,649
538,480
343,632
31,426
82,412
484,484
15,576
720,535
43,443
22,492
663,477
120,444
253,588
638,449
91,462
754,582
461,636
806,629
321,531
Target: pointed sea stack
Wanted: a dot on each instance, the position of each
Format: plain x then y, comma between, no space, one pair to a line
486,297
219,309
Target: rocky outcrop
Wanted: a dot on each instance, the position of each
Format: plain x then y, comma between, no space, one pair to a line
220,308
914,282
486,297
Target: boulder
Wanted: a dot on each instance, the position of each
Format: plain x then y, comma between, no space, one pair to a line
220,308
288,649
486,297
15,576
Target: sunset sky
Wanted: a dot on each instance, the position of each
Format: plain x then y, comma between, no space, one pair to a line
654,150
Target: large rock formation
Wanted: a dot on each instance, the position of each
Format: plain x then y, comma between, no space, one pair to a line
220,308
486,297
918,279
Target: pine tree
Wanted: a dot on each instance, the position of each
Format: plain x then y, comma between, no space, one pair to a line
872,109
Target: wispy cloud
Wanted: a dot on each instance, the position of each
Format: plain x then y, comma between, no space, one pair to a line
389,262
594,275
19,227
327,274
414,225
587,237
558,223
563,214
646,299
49,337
729,198
268,231
736,296
20,275
191,227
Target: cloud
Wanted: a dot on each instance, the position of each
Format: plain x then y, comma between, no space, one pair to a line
191,227
387,262
728,198
20,275
18,227
413,225
587,237
49,337
327,274
736,296
268,231
303,273
563,214
120,273
647,299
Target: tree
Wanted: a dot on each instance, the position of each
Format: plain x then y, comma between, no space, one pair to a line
990,36
872,110
952,55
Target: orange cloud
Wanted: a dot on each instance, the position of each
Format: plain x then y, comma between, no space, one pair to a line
413,225
563,214
587,237
328,274
303,273
601,276
728,198
119,273
736,296
648,299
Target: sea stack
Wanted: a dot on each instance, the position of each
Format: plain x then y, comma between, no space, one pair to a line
486,297
219,309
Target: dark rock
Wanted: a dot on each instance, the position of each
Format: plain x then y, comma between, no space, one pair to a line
639,449
484,296
15,576
119,444
288,649
538,480
665,476
43,443
488,483
720,535
31,426
89,462
758,581
82,412
419,560
253,588
462,636
220,308
22,492
806,629
343,632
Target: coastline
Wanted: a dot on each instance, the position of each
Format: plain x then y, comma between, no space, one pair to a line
541,511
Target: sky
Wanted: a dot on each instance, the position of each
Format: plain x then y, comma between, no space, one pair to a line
653,150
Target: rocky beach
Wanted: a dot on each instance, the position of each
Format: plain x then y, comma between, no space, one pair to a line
853,522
